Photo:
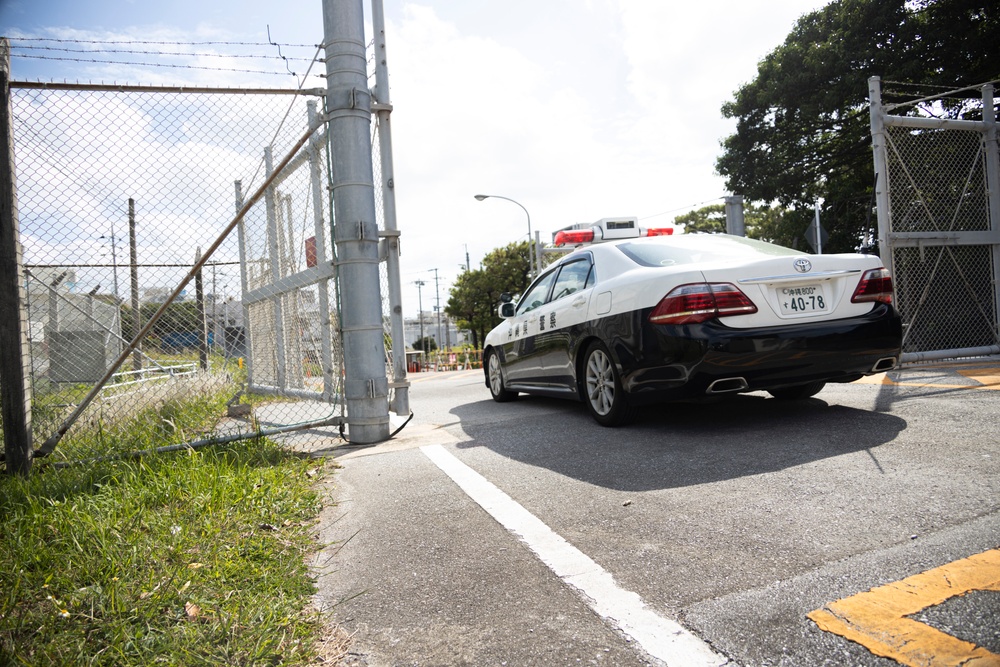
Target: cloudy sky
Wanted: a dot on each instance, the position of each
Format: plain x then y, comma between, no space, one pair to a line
576,109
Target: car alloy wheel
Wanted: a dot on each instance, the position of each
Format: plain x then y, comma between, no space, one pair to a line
499,392
604,396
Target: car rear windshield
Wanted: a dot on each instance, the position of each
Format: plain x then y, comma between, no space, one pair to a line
697,248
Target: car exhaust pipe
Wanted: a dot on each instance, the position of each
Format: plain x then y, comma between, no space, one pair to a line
727,385
884,364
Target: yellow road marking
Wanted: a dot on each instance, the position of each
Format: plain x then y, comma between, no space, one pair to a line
878,619
987,378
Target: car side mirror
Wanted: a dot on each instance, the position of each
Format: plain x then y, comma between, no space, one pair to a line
506,310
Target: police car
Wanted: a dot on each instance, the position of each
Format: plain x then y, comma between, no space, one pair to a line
647,317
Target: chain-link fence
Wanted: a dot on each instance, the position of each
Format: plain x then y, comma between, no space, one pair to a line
939,217
121,191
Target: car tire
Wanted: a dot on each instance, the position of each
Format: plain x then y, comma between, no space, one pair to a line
494,372
602,388
798,391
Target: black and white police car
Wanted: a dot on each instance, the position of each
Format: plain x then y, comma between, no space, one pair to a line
634,321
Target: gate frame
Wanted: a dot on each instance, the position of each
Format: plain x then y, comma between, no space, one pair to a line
889,240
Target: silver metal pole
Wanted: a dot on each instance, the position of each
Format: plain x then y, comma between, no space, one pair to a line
818,228
993,188
355,231
881,170
383,109
734,216
274,250
325,335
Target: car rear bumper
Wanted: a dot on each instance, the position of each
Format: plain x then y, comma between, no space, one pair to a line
688,361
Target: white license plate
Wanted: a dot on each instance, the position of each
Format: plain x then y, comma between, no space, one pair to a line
801,300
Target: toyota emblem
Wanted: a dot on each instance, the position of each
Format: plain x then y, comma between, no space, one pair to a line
803,265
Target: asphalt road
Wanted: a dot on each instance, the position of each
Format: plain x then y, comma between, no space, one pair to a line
723,533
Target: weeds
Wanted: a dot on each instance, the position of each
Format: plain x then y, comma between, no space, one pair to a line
194,558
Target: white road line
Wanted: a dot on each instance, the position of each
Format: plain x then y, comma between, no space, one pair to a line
660,637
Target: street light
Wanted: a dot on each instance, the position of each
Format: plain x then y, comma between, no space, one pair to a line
420,316
531,253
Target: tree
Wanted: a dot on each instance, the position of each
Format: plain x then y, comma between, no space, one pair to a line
474,296
767,223
802,130
427,344
708,220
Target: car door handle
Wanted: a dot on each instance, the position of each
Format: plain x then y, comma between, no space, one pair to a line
579,302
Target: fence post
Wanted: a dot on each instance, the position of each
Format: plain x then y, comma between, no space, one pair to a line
15,357
247,355
323,288
881,170
993,189
355,230
274,251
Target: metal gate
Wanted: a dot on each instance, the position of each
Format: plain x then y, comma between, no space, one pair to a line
124,192
938,204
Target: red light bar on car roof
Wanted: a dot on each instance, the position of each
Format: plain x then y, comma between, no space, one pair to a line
573,237
581,236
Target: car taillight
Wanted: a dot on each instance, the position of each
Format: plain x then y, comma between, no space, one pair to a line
875,285
573,237
698,302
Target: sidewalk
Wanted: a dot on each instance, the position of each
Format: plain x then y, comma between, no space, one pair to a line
420,575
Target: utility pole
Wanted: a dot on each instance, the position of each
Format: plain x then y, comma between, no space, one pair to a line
356,234
420,315
134,285
199,291
114,261
437,300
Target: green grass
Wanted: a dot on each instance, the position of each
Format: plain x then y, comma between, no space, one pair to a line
192,558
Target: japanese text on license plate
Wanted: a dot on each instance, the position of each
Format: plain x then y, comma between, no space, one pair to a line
801,299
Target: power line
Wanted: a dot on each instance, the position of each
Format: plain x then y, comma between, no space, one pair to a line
682,208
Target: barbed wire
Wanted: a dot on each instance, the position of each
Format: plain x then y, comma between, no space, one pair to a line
139,41
161,53
148,64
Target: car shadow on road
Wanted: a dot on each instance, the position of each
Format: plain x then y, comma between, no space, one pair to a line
680,444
